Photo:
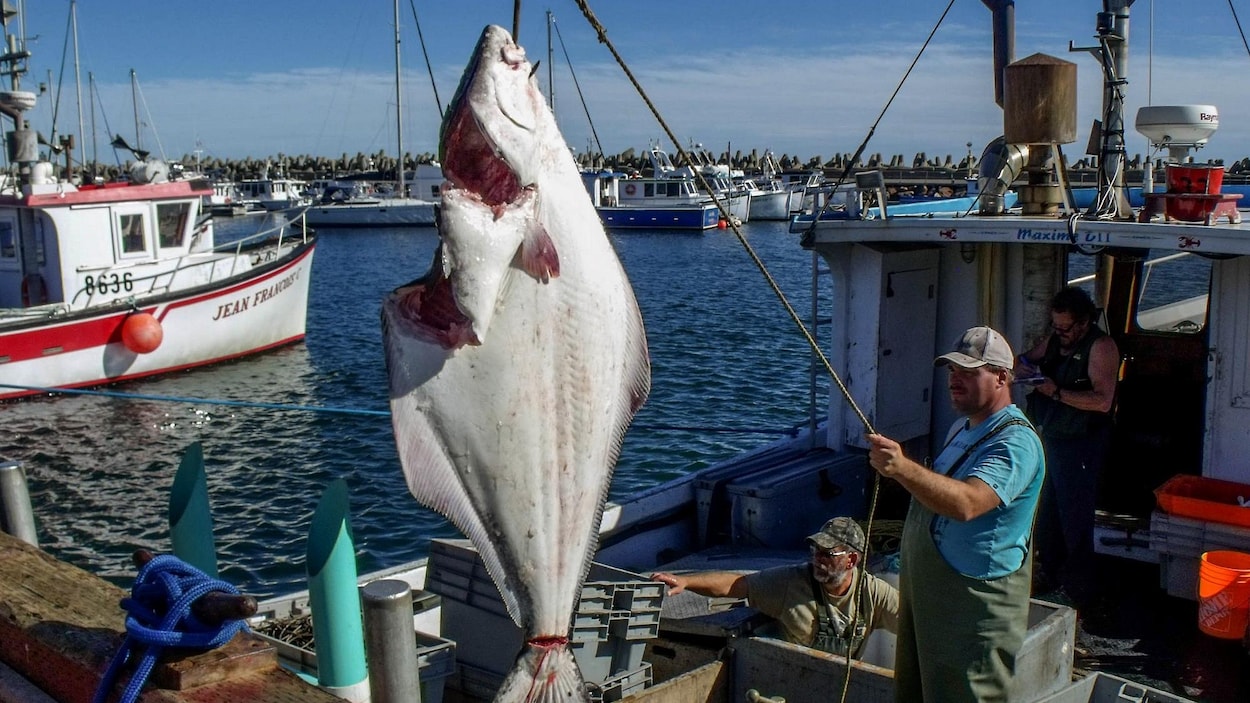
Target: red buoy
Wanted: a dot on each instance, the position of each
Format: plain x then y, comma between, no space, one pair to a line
722,224
142,333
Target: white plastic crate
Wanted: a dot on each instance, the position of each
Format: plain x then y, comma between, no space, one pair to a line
1100,687
621,685
616,613
1180,543
436,662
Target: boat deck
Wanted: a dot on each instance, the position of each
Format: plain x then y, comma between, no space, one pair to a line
1133,629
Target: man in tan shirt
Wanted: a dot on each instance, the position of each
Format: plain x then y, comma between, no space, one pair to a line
819,604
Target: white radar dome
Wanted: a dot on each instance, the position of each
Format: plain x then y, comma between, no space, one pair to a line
1164,125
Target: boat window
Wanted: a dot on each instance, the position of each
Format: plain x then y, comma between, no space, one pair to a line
131,229
649,190
171,223
1173,292
8,241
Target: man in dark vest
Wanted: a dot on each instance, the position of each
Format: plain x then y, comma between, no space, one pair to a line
1071,407
829,603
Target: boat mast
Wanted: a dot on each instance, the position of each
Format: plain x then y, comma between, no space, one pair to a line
1112,55
22,141
399,114
73,13
134,100
551,83
95,147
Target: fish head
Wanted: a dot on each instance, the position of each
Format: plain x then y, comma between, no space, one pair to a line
498,141
497,126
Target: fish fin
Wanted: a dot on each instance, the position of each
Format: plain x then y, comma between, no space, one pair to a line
436,484
544,673
538,255
633,393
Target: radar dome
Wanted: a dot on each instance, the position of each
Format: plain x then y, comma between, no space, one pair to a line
1165,125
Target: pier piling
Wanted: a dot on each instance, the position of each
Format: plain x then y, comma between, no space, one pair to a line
16,516
390,642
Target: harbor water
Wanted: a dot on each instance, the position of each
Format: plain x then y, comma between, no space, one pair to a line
730,371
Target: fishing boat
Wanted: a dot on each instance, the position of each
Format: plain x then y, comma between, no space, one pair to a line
669,198
900,287
117,281
398,209
671,204
272,194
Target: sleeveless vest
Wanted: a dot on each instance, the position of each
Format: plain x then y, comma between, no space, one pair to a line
1070,373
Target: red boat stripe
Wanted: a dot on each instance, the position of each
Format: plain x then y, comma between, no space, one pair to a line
98,331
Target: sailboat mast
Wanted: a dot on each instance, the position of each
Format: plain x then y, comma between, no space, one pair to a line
95,151
134,100
399,113
551,83
78,75
73,12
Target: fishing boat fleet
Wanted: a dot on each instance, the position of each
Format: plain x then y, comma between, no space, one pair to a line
899,286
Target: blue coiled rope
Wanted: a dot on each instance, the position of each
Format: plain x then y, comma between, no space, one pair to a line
159,616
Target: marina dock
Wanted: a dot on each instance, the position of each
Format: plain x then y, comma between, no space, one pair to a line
60,627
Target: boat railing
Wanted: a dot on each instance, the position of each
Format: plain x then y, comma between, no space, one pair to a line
245,253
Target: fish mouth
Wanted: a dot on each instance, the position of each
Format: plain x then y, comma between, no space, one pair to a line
473,164
429,305
472,161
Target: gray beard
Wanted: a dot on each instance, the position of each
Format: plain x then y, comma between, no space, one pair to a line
825,576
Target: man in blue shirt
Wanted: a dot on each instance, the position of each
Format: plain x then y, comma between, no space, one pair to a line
966,566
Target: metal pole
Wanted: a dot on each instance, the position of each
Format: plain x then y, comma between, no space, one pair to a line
16,516
390,642
399,114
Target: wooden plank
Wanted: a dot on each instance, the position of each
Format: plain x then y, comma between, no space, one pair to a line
60,627
706,684
801,675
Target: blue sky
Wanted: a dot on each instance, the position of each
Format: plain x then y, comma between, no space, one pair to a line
806,78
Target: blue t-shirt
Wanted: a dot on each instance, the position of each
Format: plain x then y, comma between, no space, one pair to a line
1013,464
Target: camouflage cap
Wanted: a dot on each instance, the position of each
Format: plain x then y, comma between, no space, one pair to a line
837,532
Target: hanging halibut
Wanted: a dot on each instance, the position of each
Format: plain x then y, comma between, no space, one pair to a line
517,362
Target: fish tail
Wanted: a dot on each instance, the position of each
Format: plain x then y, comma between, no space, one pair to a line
545,672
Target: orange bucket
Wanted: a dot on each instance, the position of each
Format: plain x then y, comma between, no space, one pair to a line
1224,594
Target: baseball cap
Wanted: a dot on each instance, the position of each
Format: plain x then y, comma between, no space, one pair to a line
837,532
979,346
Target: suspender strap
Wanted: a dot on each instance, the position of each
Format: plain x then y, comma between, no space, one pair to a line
988,435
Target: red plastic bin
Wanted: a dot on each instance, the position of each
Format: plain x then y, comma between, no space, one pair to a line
1210,499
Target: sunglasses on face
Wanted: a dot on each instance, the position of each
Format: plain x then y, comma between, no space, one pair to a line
828,554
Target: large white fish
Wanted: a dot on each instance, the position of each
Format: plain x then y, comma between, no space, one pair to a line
518,361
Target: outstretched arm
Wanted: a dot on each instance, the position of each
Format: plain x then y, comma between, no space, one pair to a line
953,498
713,584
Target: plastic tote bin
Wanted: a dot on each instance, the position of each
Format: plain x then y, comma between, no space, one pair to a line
1224,594
1105,688
1201,498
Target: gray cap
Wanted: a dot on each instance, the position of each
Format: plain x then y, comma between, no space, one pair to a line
837,532
979,346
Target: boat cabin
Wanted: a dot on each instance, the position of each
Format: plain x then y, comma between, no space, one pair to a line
51,251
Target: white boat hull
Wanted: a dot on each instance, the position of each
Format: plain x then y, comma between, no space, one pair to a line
245,314
771,205
406,212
